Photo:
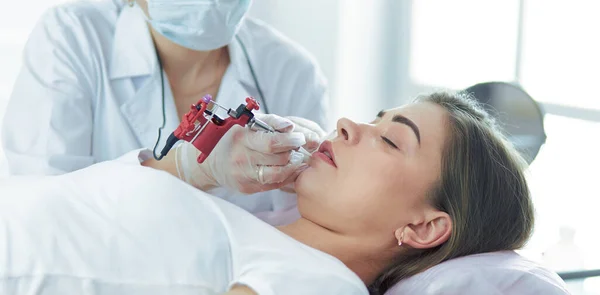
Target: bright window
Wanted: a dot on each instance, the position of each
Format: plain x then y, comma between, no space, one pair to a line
459,43
561,52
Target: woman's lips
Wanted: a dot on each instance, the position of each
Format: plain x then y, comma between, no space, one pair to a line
325,153
324,157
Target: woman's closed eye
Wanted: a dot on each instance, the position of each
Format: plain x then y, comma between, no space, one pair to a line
389,142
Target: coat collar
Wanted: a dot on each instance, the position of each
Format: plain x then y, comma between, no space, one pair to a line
133,52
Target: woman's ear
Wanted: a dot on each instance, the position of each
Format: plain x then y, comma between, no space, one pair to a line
432,231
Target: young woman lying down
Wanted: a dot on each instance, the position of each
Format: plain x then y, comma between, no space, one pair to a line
421,184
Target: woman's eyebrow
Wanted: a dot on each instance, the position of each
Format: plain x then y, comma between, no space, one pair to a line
406,121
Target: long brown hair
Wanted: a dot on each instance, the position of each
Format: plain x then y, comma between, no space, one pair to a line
482,187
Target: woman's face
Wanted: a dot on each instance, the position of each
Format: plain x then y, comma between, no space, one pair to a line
379,174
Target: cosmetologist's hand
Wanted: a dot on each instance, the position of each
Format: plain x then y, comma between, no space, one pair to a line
314,136
245,160
313,133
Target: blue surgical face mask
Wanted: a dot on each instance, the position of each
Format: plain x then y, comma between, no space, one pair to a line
198,24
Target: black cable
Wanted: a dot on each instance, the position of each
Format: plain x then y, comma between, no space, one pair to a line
162,88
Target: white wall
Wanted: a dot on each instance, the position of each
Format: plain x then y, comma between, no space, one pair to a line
312,23
350,40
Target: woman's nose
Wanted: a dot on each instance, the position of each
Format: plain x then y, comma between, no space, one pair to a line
348,130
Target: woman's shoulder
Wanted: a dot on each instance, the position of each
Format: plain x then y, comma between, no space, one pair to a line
281,268
272,262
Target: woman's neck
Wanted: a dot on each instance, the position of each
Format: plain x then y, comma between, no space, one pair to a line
365,260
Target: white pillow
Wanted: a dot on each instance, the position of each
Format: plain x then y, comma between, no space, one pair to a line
496,273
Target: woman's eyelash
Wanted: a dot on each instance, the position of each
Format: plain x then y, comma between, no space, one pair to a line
389,142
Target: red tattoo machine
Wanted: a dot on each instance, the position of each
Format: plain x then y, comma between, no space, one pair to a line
203,128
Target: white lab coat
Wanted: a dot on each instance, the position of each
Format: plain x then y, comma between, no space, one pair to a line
89,91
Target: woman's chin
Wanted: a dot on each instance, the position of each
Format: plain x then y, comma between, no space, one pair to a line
300,179
305,179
